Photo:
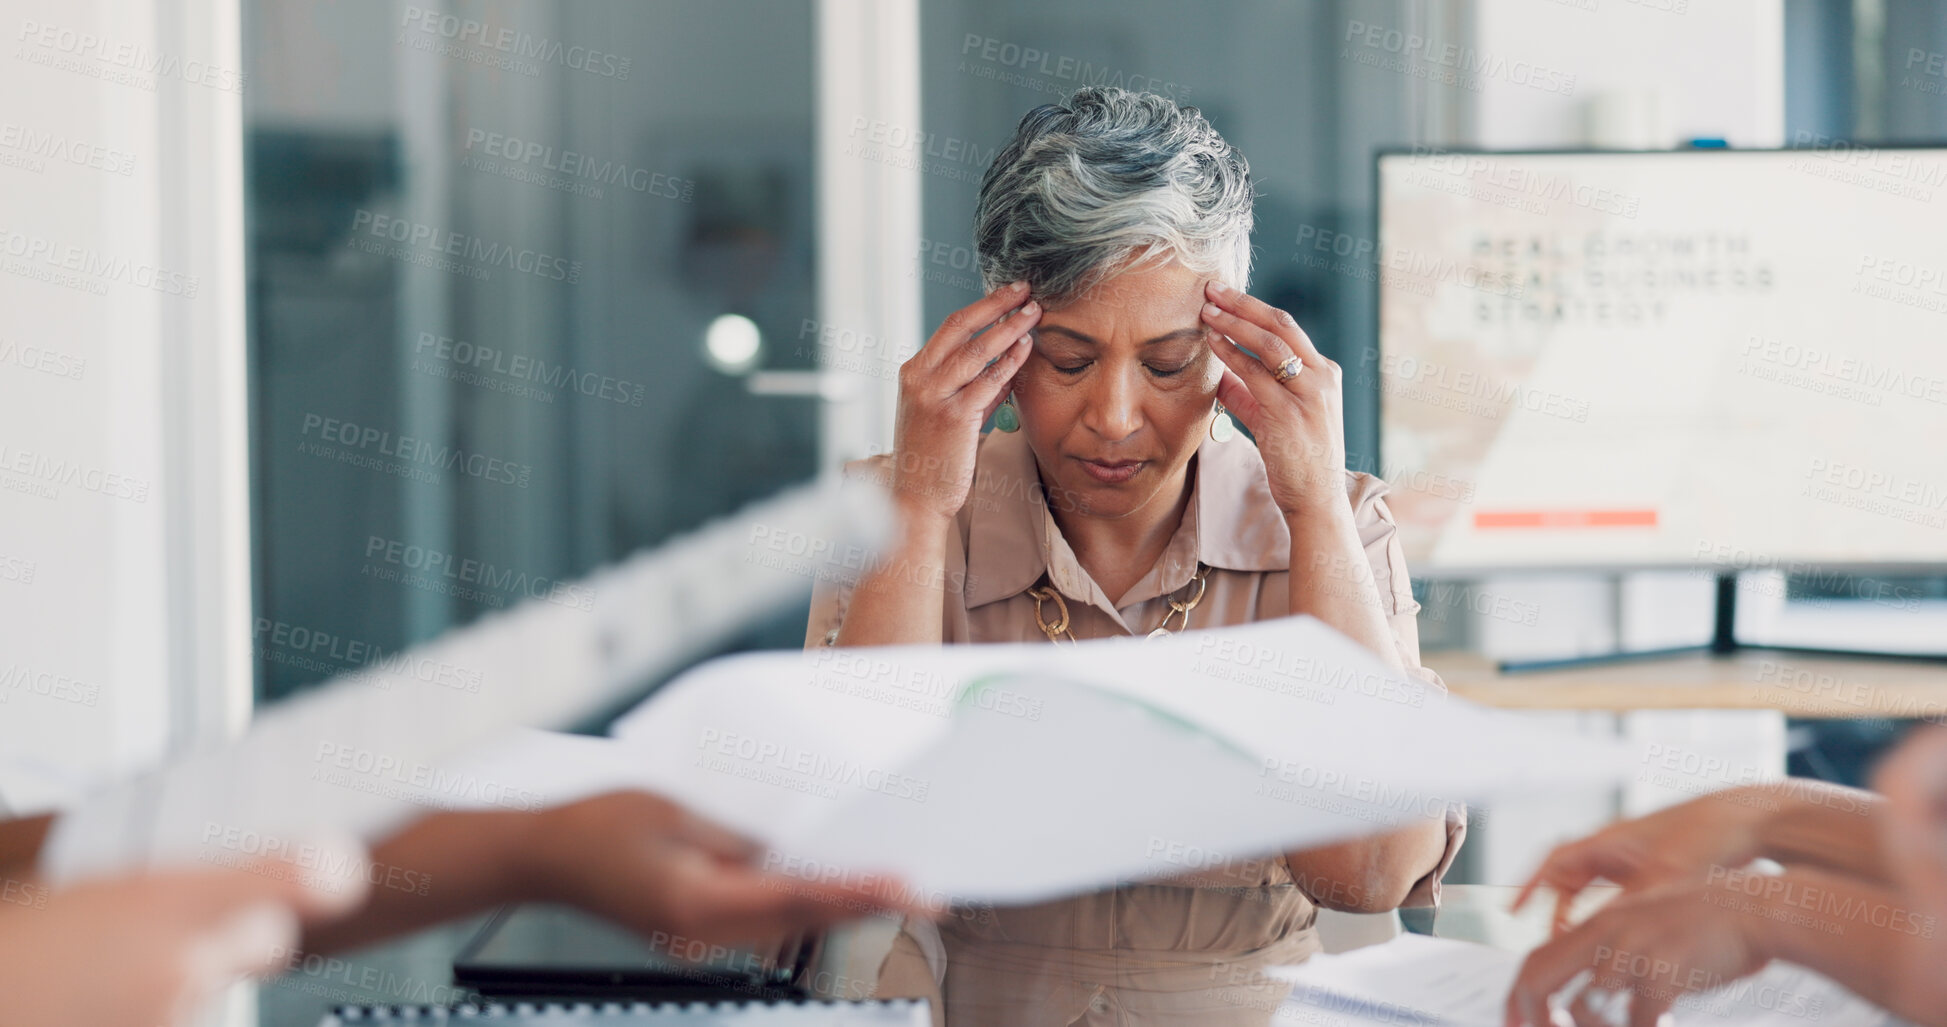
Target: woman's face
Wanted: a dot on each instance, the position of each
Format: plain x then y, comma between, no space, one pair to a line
1118,391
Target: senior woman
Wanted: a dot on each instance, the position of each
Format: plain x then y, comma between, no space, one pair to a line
1114,498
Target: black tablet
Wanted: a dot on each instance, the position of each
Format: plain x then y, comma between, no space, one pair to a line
543,951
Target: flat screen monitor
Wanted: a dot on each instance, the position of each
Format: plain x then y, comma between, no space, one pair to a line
1663,359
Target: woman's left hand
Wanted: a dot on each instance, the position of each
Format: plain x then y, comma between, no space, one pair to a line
1299,423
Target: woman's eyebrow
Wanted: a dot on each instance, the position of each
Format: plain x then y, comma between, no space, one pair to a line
1180,333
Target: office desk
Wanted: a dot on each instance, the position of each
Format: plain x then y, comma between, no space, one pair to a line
1797,686
1479,913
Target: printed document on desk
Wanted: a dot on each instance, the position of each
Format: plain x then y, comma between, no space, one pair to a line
1414,979
1016,773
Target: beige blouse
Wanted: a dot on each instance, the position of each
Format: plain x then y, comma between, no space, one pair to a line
1185,950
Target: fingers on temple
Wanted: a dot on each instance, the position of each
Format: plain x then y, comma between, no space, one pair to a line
1248,374
964,323
1248,369
978,356
1271,350
991,389
1273,319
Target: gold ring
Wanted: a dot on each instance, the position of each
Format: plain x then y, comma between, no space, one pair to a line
1288,370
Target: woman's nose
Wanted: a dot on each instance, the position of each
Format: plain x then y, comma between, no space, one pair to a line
1114,409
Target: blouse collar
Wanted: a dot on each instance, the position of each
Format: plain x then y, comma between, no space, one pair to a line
1231,523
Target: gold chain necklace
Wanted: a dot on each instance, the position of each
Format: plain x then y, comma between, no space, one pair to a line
1059,629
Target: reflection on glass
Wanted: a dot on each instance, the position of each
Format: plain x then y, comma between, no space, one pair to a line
508,265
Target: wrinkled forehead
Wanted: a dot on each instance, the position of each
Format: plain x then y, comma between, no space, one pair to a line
1134,305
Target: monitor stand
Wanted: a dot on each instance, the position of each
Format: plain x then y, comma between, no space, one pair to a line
1723,642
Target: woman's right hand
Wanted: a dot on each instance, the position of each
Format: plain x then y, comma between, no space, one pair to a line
947,390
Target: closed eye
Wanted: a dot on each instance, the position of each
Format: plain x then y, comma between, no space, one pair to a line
1160,372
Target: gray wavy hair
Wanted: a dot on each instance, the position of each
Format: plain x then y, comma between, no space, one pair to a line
1110,181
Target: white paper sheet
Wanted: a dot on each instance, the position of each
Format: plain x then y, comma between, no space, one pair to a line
358,756
1013,773
1415,979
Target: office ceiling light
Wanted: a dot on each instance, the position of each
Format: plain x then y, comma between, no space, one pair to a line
732,344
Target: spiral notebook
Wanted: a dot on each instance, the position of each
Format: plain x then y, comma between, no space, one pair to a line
889,1013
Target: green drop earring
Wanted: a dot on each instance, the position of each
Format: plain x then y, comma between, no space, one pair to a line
1007,418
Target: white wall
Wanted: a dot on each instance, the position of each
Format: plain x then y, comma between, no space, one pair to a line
123,582
1712,68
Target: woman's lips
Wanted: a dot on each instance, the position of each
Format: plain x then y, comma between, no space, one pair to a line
1112,472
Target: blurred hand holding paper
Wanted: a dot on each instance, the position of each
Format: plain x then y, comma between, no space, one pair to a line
371,750
1016,773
